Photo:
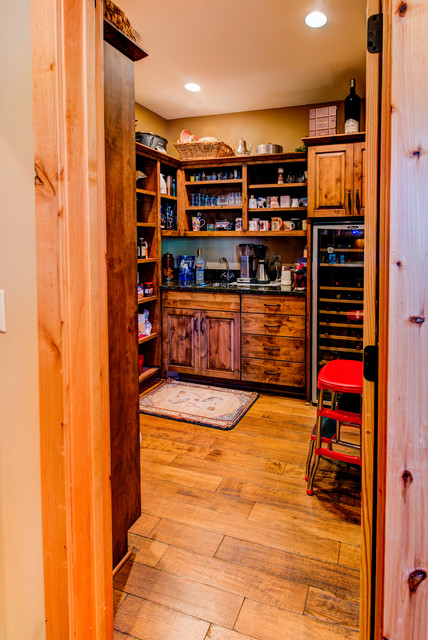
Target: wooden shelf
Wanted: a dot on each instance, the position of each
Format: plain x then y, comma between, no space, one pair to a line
148,225
147,299
334,138
340,300
167,197
146,192
337,250
338,264
247,234
340,325
333,337
195,183
214,208
169,232
146,260
277,186
276,209
152,336
121,42
148,372
344,349
342,288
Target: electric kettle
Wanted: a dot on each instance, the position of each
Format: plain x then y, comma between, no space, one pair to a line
262,275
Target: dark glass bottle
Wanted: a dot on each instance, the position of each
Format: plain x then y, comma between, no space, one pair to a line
352,110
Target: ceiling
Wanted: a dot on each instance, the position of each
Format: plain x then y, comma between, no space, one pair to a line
245,54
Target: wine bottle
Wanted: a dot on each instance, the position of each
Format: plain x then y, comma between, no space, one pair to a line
352,110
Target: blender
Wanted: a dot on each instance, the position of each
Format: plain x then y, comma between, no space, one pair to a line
246,252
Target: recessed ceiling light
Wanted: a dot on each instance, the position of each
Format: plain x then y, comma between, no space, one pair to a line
191,86
316,19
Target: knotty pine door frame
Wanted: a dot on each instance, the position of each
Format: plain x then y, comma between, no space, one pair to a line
402,494
68,109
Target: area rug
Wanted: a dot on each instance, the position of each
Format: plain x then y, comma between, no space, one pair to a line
198,403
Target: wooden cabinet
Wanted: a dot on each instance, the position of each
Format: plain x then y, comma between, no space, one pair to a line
336,183
201,334
274,340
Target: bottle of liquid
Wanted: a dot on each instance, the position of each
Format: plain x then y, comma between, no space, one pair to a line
143,248
352,110
199,267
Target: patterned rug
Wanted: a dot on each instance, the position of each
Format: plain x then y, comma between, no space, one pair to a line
198,403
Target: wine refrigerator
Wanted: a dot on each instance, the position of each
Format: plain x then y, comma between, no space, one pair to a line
337,294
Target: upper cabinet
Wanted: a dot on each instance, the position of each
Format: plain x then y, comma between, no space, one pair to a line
336,171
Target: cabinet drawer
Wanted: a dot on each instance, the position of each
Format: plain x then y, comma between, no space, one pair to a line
273,304
271,325
268,347
290,374
205,301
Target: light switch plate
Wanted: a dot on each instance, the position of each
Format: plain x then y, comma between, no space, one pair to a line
2,312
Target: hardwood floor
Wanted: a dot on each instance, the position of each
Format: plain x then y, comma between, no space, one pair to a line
229,546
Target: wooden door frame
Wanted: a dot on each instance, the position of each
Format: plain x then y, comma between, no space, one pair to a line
68,108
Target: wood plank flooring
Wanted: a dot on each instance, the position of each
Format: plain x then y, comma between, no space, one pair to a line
229,546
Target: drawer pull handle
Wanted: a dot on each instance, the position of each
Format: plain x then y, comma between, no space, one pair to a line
272,373
271,349
272,305
272,326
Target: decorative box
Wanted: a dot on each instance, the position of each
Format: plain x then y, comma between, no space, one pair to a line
323,121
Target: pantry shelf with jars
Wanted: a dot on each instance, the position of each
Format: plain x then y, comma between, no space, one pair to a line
156,181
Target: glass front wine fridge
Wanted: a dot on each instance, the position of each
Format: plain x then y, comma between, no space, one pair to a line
337,294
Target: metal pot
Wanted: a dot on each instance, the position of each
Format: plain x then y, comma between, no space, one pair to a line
151,140
268,148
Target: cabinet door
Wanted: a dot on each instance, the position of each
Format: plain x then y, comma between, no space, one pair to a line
359,178
180,331
330,180
220,344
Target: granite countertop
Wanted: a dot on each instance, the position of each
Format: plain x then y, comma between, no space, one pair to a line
232,287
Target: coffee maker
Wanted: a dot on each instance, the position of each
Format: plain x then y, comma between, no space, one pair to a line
260,264
246,253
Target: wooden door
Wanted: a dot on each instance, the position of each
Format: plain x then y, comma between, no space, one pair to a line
330,187
220,344
180,331
360,162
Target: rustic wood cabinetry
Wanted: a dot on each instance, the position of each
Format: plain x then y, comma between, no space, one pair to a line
206,334
273,340
201,334
336,172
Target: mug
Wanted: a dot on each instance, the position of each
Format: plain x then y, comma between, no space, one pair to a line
285,201
197,223
288,225
276,224
304,225
295,202
253,225
264,225
297,223
238,224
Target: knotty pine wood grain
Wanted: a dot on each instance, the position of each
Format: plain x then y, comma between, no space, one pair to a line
269,561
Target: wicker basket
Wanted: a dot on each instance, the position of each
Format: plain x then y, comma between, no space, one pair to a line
118,18
195,150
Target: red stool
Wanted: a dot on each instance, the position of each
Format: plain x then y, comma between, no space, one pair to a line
343,377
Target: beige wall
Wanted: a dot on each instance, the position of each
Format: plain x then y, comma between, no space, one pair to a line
150,122
284,126
21,565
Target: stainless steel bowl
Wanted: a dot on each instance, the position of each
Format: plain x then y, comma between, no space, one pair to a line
268,148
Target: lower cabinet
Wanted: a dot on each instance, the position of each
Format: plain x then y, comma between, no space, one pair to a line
201,341
273,340
255,338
